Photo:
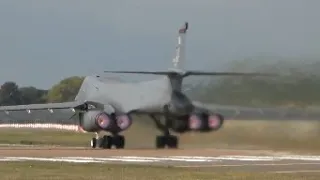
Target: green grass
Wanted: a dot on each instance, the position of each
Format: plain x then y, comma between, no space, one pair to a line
274,135
68,171
296,136
43,137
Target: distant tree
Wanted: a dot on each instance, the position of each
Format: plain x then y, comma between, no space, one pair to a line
65,90
32,95
9,94
299,85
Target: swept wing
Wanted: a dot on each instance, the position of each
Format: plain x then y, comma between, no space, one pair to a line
77,105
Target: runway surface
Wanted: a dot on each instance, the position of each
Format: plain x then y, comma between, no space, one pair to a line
215,159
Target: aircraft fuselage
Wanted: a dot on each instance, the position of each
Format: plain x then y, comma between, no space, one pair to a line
151,96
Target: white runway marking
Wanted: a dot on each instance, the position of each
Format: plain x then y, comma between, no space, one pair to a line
298,171
189,159
241,165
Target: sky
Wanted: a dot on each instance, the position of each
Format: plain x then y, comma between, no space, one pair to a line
45,41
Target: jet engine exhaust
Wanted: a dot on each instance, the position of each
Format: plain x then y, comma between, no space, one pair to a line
195,122
103,120
215,121
205,122
123,121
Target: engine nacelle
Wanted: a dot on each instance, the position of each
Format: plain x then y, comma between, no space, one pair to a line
179,125
205,122
94,121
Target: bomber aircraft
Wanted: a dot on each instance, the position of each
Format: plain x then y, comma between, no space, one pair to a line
108,106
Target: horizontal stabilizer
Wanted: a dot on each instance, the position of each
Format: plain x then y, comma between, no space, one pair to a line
141,72
192,73
199,73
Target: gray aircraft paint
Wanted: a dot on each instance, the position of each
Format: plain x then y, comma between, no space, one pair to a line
148,97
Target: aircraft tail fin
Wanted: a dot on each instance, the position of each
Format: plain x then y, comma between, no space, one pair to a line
178,62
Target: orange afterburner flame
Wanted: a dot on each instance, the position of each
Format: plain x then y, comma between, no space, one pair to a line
103,120
123,121
195,122
214,121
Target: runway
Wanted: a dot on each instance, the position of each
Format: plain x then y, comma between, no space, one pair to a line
212,159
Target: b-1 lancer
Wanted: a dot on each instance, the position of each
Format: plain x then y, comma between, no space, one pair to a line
108,106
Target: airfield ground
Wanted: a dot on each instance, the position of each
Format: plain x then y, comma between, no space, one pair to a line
67,171
241,150
293,136
78,163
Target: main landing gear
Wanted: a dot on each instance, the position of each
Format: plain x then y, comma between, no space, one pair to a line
107,141
166,139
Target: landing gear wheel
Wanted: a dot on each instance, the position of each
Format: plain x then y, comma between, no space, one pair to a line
105,142
119,141
160,142
167,139
93,143
170,140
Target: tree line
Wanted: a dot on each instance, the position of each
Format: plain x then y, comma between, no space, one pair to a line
65,90
296,84
299,85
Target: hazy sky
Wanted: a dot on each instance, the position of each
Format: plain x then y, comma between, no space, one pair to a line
44,41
